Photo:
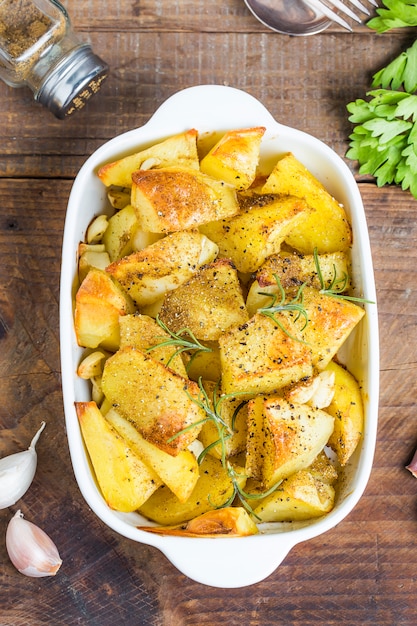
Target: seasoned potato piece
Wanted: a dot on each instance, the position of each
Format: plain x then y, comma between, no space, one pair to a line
154,398
126,482
148,274
327,227
299,497
293,269
257,232
209,303
179,473
91,255
235,157
171,199
260,357
283,438
119,232
142,332
235,438
347,409
213,489
230,521
180,149
205,365
99,303
323,469
330,322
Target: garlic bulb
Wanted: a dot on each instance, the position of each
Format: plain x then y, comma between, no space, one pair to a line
17,472
30,549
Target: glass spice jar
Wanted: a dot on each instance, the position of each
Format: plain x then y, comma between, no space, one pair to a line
38,49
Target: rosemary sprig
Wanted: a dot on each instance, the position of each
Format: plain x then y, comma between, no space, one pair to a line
243,495
184,341
296,304
212,409
333,290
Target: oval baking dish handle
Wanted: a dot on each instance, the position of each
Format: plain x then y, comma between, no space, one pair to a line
229,562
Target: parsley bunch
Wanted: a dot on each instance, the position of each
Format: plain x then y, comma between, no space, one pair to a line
384,140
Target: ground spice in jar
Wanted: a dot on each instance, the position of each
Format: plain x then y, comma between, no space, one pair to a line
25,31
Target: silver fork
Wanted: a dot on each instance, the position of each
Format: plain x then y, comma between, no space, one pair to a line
329,8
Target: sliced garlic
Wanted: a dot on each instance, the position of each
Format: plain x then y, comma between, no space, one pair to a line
17,472
30,549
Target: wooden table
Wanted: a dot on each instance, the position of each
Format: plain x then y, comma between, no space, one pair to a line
361,572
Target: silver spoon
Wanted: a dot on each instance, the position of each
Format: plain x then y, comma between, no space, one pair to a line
290,17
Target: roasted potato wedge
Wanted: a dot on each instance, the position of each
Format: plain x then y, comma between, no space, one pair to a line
143,332
208,304
235,157
154,398
256,232
283,438
99,302
126,482
261,357
299,497
180,149
175,198
348,411
148,274
326,227
213,489
225,522
179,473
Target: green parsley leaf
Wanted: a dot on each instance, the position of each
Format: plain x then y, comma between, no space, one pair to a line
397,14
384,138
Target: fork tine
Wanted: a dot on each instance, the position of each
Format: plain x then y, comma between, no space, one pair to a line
360,6
338,4
320,6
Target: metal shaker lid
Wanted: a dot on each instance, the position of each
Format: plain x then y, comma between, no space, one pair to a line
72,82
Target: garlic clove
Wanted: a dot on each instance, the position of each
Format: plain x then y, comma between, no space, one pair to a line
17,472
30,549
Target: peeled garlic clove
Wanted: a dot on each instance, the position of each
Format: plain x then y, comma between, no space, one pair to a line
31,550
17,472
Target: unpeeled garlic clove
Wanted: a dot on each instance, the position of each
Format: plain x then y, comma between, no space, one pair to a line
30,549
17,472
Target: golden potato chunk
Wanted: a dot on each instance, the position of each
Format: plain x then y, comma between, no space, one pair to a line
327,227
261,357
148,274
235,157
330,322
283,438
347,409
255,233
126,482
299,497
293,269
213,489
99,303
226,522
171,199
208,304
159,402
142,332
179,473
180,149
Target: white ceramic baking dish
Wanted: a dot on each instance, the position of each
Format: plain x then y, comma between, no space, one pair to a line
223,562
